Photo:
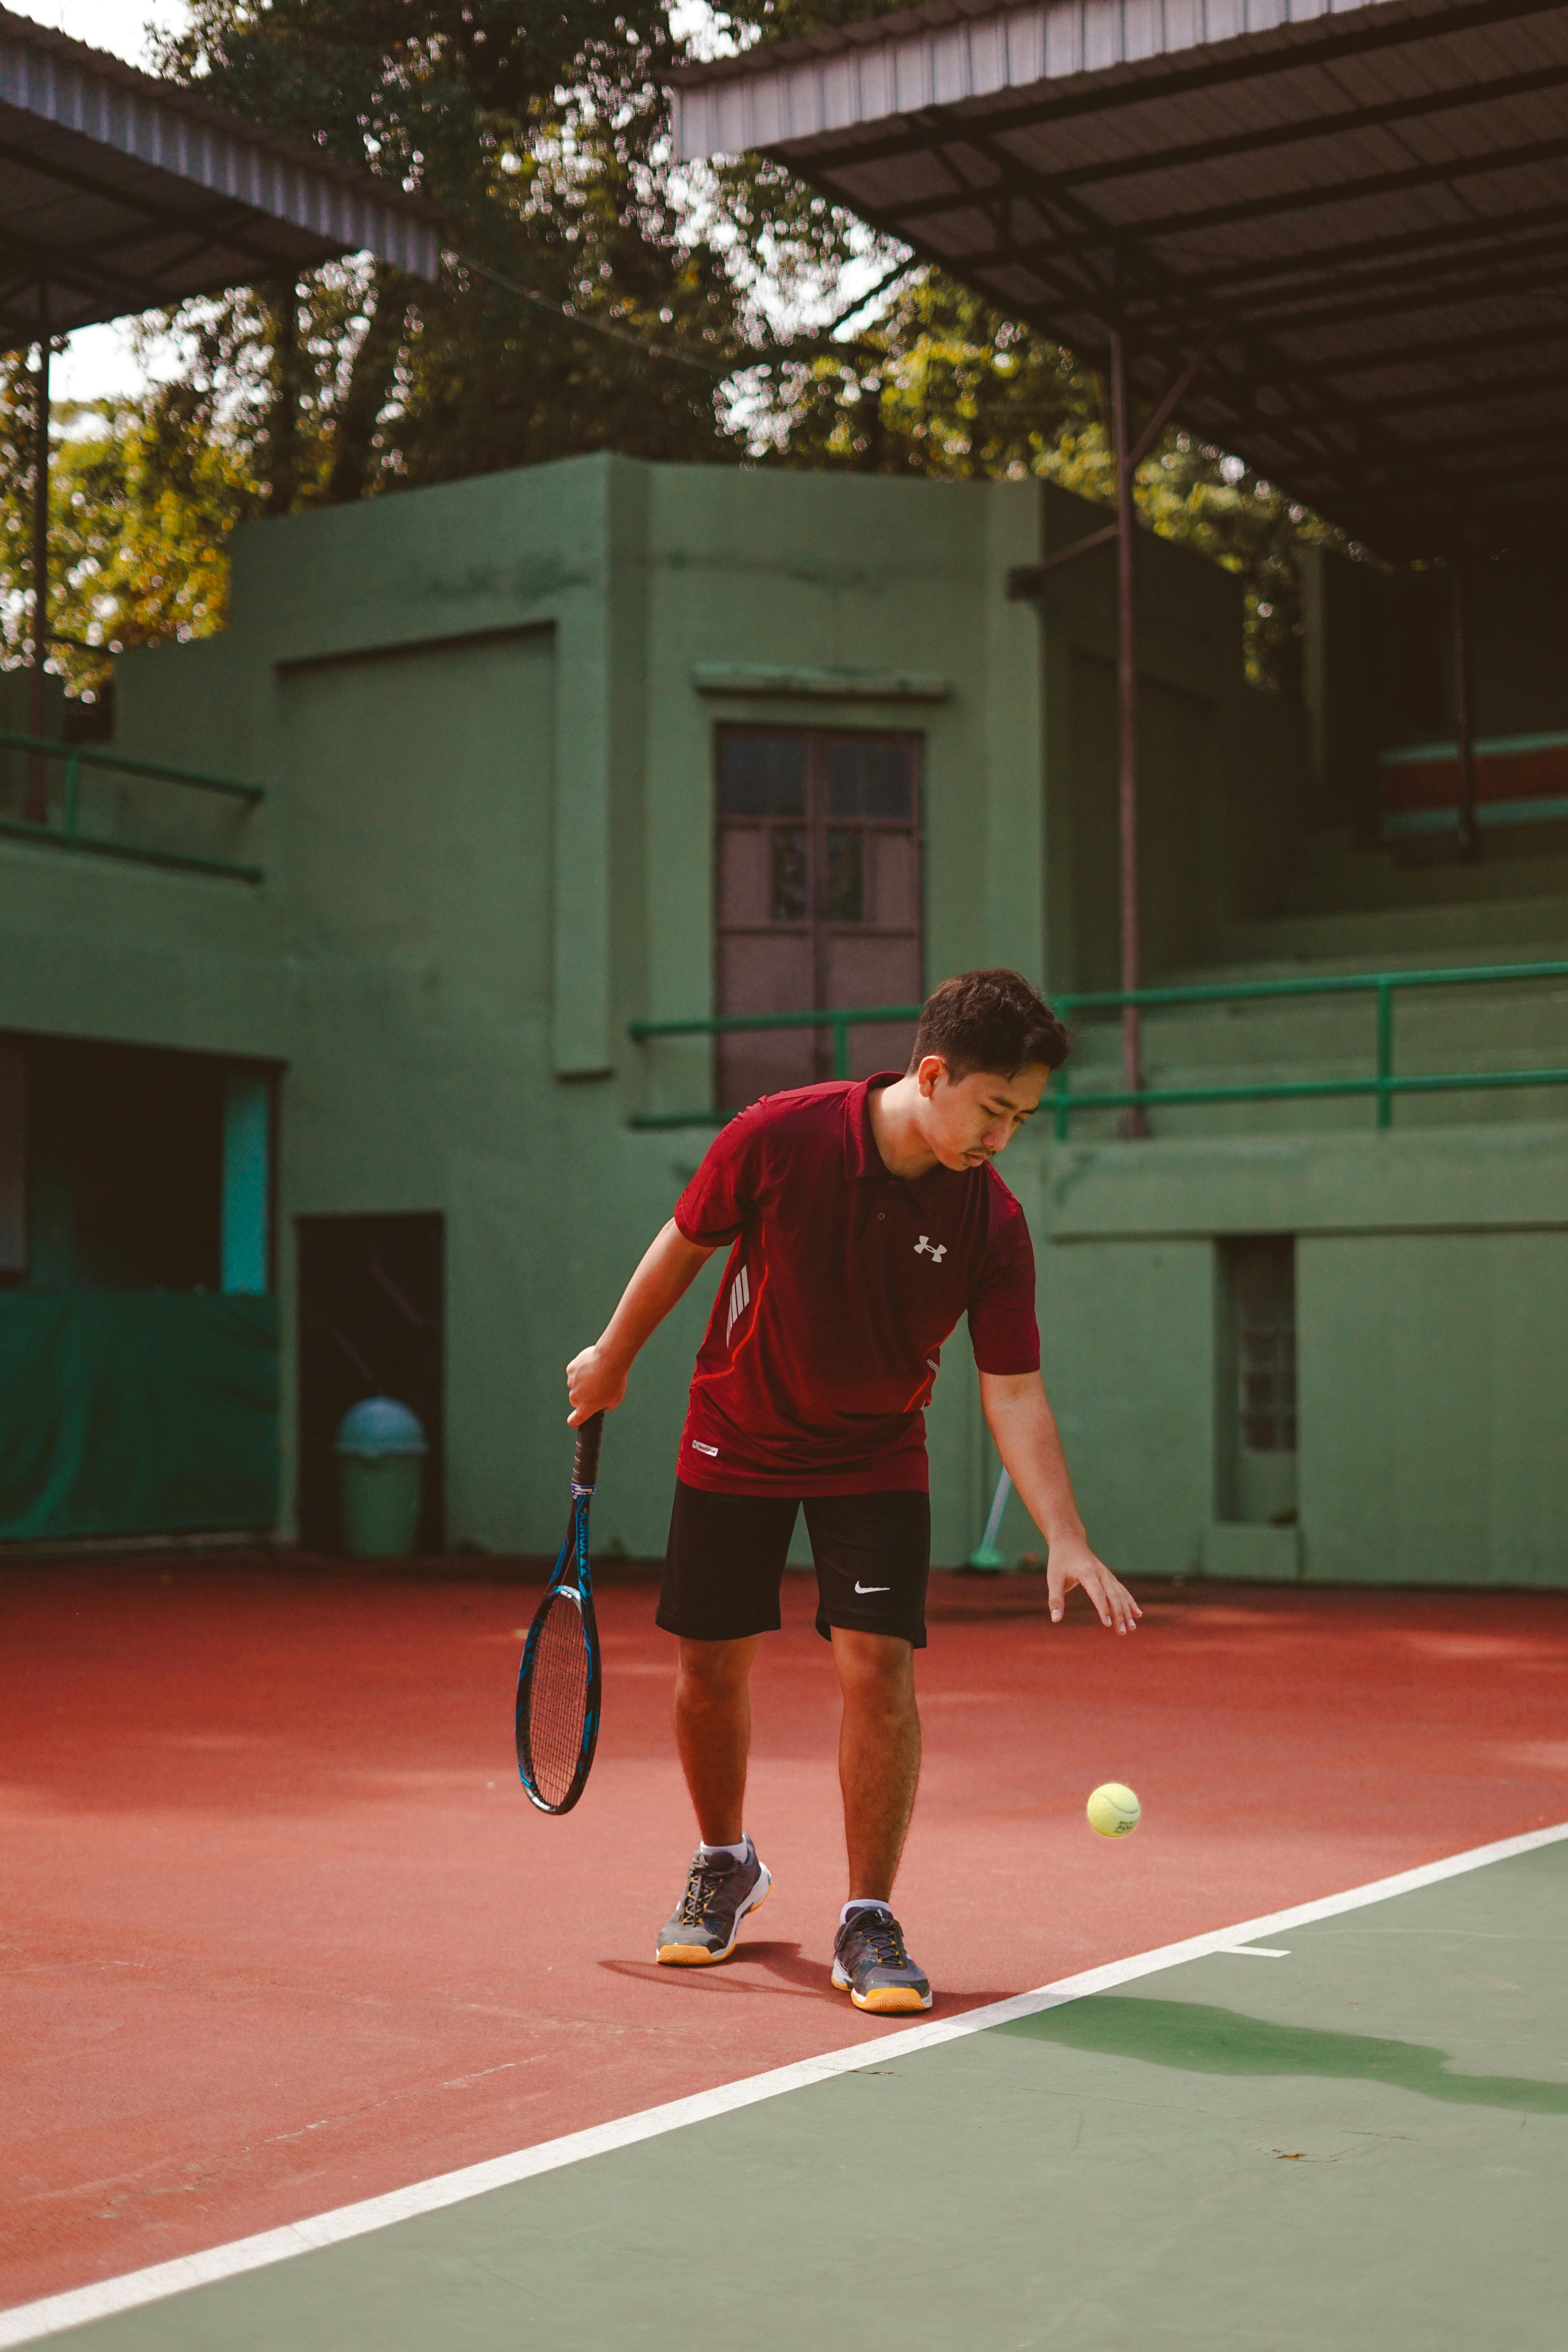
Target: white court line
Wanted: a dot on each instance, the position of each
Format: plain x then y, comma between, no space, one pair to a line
26,2322
1257,1952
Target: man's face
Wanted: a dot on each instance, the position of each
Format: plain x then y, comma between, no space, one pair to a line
968,1120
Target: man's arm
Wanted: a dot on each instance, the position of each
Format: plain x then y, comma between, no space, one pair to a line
1025,1429
597,1380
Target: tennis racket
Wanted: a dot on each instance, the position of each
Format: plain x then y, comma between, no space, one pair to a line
558,1684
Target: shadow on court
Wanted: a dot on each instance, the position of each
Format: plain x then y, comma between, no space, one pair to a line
798,1978
1203,2041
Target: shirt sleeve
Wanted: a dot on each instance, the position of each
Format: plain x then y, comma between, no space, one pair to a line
722,1196
1003,1331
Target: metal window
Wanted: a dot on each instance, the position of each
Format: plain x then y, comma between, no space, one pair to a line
1263,1280
817,887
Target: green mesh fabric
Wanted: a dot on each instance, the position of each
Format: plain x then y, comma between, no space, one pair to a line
136,1413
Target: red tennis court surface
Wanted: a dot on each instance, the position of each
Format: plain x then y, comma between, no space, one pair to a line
281,1931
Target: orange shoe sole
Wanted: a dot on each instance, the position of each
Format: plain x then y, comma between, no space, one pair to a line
889,2001
883,2001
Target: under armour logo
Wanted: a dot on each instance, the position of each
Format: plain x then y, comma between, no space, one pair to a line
937,1251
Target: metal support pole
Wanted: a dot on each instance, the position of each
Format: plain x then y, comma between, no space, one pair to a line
1133,1123
37,803
1464,714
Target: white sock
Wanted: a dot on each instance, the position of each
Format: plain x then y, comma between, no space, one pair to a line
863,1903
735,1853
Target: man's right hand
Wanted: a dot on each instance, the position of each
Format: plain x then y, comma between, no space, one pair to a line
595,1384
597,1380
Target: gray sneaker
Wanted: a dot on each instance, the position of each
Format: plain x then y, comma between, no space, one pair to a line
872,1965
719,1893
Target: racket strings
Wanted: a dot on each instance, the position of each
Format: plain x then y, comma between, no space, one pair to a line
557,1710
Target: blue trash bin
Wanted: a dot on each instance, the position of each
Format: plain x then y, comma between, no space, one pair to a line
381,1448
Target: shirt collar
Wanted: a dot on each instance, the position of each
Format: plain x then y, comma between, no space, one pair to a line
861,1157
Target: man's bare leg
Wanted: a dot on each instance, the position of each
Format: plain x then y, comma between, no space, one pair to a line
713,1732
879,1755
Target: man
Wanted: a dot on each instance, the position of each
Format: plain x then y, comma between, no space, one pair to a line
863,1220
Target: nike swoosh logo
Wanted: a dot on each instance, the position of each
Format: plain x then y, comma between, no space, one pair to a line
873,1588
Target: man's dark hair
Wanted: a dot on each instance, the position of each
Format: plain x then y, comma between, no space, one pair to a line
990,1020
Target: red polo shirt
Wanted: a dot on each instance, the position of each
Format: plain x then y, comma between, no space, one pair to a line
844,1280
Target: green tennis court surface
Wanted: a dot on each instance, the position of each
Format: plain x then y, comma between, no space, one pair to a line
1362,2144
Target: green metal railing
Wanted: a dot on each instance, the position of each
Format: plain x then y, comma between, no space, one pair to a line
723,1024
1382,1084
68,834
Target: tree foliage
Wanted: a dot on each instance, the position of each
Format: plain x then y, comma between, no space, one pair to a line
142,497
592,295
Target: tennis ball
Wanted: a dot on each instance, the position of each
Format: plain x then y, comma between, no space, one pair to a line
1113,1810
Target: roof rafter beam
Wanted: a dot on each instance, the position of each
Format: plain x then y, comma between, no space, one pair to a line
87,277
81,267
30,156
1532,436
1132,261
1429,352
1234,396
1378,294
1500,476
1298,428
223,216
1159,228
1438,239
1458,395
1270,137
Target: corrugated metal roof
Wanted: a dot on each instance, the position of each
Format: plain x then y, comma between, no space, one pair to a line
1368,205
124,192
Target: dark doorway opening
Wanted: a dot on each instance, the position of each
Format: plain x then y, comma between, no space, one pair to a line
370,1325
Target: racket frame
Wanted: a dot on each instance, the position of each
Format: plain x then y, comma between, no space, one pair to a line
573,1573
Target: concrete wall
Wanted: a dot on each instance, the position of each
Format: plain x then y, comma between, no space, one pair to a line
1432,1273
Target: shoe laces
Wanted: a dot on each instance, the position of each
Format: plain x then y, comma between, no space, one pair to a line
882,1933
703,1884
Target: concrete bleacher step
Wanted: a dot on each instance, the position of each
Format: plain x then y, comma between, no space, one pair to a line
1338,876
1491,930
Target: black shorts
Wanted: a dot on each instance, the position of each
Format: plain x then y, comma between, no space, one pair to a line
727,1553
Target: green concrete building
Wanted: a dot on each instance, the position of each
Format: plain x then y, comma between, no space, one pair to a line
333,1090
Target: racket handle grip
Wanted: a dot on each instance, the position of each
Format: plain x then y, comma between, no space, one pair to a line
586,1457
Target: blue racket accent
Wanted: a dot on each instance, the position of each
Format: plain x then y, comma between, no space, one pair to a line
558,1686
